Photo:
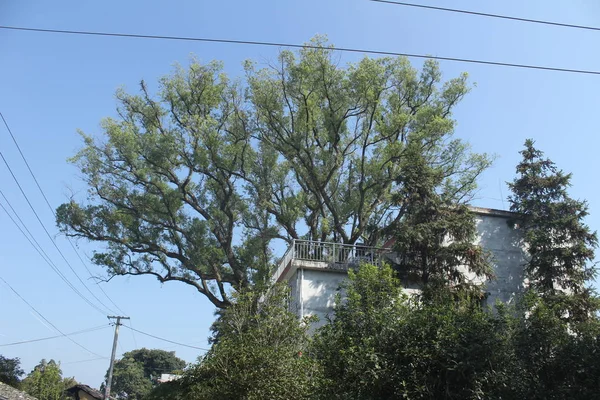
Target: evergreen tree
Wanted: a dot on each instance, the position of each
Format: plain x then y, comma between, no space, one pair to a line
436,234
560,245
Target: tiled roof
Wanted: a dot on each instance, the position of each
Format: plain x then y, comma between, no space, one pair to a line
85,388
10,393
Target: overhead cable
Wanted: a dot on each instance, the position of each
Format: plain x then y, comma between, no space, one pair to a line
165,340
52,209
303,46
82,361
50,323
43,254
50,236
97,328
482,14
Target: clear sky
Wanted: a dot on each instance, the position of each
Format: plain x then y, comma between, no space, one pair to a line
51,85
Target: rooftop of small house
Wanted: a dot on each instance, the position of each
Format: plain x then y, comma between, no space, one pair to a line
89,391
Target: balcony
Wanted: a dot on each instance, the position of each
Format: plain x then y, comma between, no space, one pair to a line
327,256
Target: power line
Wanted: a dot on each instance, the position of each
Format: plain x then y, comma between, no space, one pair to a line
82,361
133,335
41,250
52,209
166,340
26,163
42,253
304,46
92,276
50,236
46,319
97,328
482,14
171,347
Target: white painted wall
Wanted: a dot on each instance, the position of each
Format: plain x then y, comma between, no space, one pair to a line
509,257
319,289
313,293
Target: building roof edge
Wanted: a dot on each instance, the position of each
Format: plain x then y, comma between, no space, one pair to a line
492,211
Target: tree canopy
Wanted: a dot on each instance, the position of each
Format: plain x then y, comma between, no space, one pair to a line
10,371
194,183
137,372
46,382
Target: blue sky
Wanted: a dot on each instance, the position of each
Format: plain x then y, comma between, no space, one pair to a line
52,85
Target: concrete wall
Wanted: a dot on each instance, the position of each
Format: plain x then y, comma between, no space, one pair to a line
319,289
509,258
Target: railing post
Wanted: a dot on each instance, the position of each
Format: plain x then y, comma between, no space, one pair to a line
334,255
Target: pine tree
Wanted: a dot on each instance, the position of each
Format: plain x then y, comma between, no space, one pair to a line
560,245
435,237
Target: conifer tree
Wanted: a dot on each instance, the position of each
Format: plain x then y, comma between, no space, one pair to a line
435,239
560,245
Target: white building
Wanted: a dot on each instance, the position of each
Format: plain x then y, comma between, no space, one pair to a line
168,378
314,270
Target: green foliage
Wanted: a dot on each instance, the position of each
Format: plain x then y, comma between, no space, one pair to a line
174,390
137,372
260,354
553,358
560,245
383,345
305,148
45,382
10,371
435,236
129,380
348,347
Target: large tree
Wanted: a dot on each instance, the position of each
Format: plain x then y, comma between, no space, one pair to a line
560,245
194,184
137,372
10,371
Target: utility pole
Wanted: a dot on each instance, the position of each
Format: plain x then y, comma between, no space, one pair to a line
112,357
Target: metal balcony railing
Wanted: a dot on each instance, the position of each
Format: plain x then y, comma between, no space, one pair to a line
329,255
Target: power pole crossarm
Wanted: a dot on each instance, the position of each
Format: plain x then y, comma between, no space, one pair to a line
112,357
